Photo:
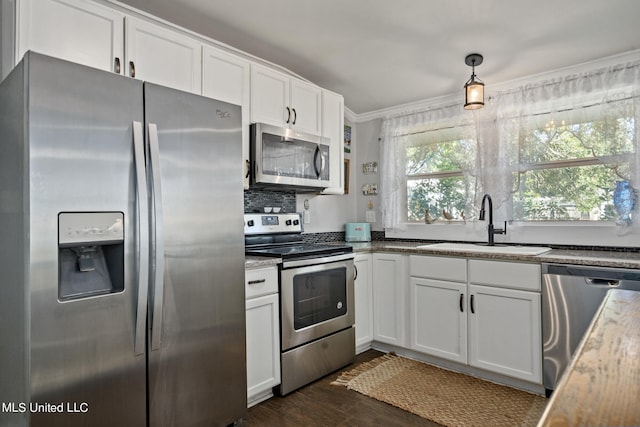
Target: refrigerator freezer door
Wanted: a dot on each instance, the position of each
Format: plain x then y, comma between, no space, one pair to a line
197,376
79,147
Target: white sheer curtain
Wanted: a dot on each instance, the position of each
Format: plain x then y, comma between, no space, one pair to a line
604,94
396,132
500,127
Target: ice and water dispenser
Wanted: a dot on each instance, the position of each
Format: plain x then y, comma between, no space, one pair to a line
90,254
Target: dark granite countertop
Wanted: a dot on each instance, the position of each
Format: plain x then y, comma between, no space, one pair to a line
599,258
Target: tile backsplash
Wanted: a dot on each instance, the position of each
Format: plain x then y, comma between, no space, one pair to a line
256,200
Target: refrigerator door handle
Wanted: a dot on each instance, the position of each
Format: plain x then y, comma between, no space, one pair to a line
143,239
157,241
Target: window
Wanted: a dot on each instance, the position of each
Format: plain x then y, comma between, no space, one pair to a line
569,171
437,174
558,149
565,171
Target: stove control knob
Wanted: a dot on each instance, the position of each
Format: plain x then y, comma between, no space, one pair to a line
288,222
250,223
296,222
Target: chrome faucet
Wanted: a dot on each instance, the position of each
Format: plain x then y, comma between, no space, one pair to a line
491,229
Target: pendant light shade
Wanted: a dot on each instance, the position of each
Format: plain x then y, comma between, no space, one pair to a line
473,88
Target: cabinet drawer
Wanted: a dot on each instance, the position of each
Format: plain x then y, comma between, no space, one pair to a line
260,281
434,267
505,274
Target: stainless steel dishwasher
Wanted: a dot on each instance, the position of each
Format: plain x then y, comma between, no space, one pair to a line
571,295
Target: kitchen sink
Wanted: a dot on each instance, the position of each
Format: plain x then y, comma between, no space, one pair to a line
484,248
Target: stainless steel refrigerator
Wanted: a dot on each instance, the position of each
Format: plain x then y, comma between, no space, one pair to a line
121,252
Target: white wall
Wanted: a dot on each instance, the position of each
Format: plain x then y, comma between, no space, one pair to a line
329,213
367,149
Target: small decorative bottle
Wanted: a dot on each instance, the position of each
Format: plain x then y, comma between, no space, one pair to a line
624,200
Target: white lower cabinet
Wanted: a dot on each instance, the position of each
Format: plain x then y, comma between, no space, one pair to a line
439,321
494,328
363,287
263,333
390,280
504,332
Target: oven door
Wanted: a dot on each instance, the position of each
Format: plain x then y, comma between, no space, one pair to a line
316,300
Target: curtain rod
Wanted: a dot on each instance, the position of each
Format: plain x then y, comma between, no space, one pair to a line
564,110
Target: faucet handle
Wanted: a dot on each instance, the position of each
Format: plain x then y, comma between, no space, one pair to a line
501,230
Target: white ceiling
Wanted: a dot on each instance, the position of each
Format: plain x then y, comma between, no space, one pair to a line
381,54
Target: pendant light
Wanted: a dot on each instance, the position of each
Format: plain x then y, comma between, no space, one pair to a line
473,88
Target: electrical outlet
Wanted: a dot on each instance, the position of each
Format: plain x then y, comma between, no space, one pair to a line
370,216
307,217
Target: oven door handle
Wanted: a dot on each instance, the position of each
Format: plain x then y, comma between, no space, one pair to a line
317,260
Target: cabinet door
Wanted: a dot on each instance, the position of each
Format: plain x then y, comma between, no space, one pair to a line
439,318
363,302
390,277
305,104
162,56
76,30
504,332
227,77
263,346
333,128
269,97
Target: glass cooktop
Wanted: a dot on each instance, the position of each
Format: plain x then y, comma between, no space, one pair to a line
299,250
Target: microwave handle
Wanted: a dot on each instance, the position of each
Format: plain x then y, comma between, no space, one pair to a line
315,161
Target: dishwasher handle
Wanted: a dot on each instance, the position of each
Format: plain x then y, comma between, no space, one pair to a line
602,283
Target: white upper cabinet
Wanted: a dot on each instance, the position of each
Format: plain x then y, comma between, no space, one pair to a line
305,105
333,128
76,30
162,56
280,100
227,77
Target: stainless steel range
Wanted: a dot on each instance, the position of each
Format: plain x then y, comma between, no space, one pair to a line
316,298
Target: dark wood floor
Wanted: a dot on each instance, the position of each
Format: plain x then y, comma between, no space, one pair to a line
323,404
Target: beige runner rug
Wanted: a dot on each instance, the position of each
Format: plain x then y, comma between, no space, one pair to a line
446,397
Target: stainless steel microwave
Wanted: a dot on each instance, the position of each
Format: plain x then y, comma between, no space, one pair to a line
283,157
